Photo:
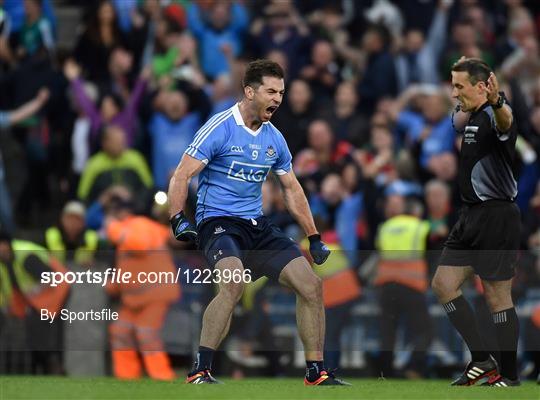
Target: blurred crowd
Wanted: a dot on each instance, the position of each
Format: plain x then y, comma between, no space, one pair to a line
367,115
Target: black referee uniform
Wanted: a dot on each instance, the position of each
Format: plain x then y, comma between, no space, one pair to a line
487,233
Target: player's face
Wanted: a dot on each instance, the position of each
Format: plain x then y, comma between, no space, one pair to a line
268,96
470,96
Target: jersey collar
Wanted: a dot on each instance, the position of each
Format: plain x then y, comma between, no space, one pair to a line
240,121
482,108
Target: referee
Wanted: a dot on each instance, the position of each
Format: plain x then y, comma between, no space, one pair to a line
485,239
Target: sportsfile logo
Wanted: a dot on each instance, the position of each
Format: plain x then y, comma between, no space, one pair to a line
246,172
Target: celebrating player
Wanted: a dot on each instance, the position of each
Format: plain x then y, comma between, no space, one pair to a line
234,152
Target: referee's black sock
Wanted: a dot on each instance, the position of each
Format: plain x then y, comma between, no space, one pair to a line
464,320
204,358
507,331
313,369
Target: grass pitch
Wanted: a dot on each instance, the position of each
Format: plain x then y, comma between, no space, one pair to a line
28,387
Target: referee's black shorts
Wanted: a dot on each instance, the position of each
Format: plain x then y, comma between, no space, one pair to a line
485,237
258,243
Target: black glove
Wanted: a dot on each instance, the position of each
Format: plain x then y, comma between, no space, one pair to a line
183,230
319,251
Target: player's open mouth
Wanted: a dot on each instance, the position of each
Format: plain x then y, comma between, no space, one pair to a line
270,110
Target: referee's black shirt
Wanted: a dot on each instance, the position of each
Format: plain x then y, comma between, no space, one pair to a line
487,159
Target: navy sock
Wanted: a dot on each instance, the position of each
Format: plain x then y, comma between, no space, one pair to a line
204,358
313,369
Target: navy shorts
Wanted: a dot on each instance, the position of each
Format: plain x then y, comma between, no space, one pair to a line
485,237
258,243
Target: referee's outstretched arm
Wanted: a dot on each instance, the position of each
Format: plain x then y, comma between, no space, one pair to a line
503,115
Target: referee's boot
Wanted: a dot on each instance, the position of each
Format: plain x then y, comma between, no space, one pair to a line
501,381
326,378
477,371
201,377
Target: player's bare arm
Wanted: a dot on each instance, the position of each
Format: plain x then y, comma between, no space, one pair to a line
296,202
178,186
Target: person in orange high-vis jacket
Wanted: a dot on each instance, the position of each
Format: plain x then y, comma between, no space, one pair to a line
402,280
141,245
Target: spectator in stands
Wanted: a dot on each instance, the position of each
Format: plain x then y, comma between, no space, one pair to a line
323,155
111,109
518,25
101,34
464,43
172,128
418,61
36,33
8,118
483,23
115,164
17,13
219,26
322,73
523,64
376,159
379,76
422,117
95,215
175,52
343,117
294,117
69,241
221,94
282,28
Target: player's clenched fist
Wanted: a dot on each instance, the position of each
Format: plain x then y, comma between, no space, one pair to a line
183,230
319,251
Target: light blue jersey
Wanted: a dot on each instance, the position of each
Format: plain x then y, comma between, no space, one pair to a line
237,160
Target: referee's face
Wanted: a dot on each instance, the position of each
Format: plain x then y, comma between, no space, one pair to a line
469,96
268,96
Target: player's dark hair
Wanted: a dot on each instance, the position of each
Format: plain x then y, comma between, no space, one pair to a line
258,69
477,69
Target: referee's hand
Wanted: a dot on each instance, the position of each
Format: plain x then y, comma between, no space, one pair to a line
318,250
183,230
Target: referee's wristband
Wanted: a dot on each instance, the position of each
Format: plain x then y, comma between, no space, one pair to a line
316,237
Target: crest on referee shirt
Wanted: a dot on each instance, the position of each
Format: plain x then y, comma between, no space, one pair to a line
270,152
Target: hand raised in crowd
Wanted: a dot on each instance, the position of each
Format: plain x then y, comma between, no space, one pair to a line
146,73
43,95
72,70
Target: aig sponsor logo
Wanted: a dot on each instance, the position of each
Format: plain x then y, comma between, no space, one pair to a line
246,172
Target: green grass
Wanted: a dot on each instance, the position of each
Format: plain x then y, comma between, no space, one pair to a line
25,387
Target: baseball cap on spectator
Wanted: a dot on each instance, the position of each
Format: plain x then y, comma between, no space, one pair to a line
176,13
74,208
